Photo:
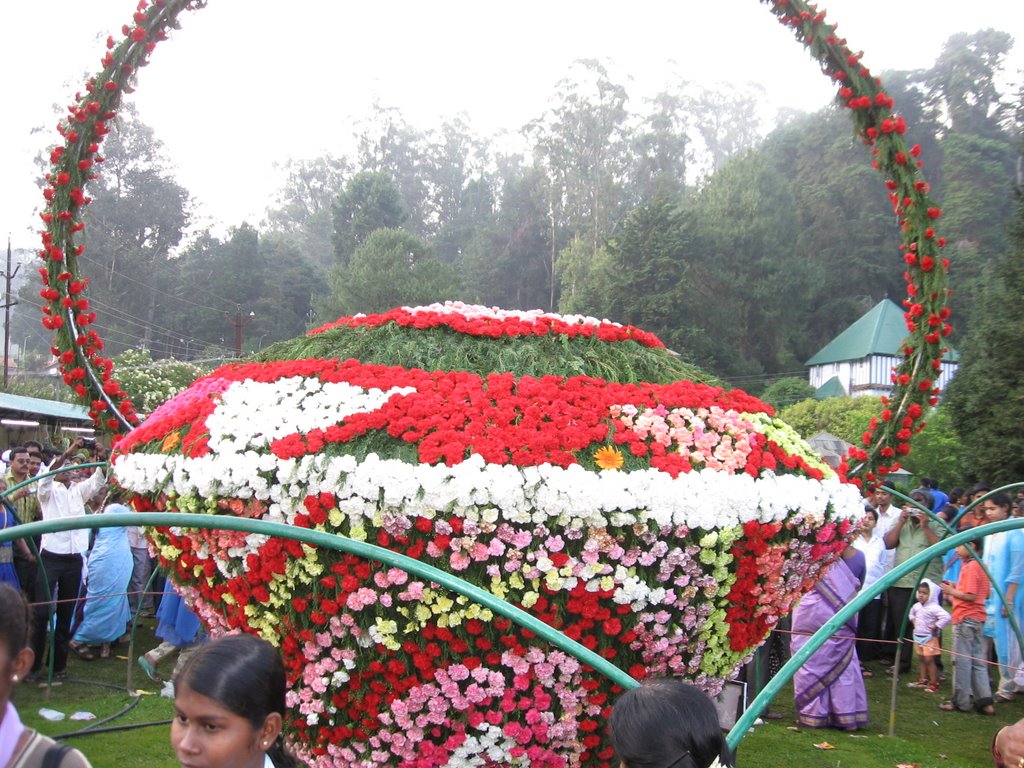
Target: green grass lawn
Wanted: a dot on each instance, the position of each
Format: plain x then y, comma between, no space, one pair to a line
102,688
925,736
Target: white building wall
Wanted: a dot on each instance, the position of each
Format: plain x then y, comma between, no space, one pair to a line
868,376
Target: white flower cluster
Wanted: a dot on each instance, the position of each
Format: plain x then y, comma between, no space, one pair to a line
298,403
478,312
250,415
491,747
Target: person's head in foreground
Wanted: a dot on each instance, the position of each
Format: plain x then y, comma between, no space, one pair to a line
19,745
229,703
668,724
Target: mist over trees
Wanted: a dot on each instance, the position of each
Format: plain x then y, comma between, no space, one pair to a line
745,249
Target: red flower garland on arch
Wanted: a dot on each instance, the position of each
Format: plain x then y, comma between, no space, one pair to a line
75,163
927,312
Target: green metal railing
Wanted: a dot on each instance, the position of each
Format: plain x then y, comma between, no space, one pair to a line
340,543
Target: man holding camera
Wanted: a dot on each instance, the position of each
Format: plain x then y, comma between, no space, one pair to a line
61,555
912,533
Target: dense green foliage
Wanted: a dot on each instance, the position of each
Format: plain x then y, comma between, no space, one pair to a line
744,252
938,451
787,391
148,382
845,417
986,399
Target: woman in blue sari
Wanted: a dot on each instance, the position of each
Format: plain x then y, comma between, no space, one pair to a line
8,574
8,519
829,686
109,569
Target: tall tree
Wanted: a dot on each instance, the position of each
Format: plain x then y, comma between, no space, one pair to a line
387,144
963,82
391,268
977,196
505,262
370,201
986,397
636,277
303,208
137,218
581,143
458,185
748,224
662,149
845,246
726,121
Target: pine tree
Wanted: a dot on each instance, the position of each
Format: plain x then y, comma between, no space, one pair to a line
986,398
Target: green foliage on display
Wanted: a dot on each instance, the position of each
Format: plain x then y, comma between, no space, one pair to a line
787,391
938,451
440,349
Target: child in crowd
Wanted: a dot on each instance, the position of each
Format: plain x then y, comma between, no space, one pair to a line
928,618
970,673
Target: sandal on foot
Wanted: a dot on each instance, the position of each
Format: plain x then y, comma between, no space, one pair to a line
949,706
81,650
918,684
988,709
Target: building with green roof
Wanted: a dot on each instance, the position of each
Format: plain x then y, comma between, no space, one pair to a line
860,360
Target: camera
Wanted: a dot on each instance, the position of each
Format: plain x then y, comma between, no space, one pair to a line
89,443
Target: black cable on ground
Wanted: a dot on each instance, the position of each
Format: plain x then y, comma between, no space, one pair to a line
111,729
95,727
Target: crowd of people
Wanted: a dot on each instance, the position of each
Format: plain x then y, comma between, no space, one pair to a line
974,588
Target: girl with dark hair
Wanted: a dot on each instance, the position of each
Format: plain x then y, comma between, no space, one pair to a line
229,703
668,724
21,747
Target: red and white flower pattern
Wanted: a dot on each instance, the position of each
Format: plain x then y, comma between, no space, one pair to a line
677,563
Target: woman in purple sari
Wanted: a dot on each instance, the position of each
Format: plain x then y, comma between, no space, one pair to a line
829,686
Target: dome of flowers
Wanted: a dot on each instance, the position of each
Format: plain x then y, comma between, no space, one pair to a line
570,466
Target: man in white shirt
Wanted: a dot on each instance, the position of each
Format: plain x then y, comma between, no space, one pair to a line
888,516
61,556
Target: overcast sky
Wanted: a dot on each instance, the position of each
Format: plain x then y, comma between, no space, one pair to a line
246,83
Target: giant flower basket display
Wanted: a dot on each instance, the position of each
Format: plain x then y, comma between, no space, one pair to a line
666,525
572,467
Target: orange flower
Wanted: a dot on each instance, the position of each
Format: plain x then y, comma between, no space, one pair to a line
170,442
608,458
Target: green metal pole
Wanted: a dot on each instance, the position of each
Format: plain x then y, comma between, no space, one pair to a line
341,543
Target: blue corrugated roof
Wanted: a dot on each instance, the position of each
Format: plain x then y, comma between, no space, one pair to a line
40,407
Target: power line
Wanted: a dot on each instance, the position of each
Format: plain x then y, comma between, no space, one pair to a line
131,279
128,339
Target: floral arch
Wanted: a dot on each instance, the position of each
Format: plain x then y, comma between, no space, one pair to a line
666,522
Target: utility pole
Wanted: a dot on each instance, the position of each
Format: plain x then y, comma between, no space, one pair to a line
8,277
239,322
